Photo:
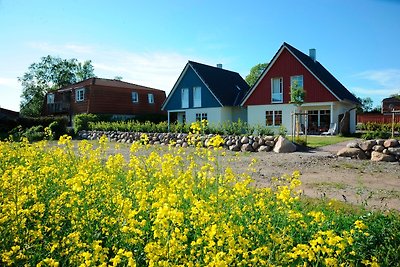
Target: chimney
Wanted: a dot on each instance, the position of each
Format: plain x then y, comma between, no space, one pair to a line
219,66
313,54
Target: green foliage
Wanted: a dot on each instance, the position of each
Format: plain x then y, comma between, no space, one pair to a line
91,122
300,141
255,73
35,133
379,134
366,105
377,130
81,121
282,131
297,94
33,128
49,74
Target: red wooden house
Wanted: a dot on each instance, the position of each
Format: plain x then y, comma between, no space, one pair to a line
327,102
104,96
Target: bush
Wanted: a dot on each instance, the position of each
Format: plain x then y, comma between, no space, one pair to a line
81,121
379,134
35,133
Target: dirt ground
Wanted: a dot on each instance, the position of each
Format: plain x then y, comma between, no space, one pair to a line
375,185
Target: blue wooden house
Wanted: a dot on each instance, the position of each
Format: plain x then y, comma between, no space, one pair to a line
206,92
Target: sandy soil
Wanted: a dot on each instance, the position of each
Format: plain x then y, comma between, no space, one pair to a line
375,185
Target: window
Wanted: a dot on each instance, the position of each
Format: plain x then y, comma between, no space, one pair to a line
277,90
296,80
135,97
150,97
201,116
50,98
196,97
80,95
318,120
273,117
185,98
269,118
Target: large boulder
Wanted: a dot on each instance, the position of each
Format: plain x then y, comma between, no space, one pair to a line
244,140
234,148
247,147
352,152
391,143
283,145
378,156
353,145
367,145
264,148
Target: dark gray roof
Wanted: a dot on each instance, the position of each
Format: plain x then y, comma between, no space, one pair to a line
228,86
323,75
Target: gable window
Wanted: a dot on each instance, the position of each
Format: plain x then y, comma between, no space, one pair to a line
50,98
296,80
273,117
196,97
80,95
135,97
185,98
150,97
277,90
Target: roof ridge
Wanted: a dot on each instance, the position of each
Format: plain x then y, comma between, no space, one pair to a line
214,67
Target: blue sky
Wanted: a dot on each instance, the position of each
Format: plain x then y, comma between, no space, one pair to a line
149,42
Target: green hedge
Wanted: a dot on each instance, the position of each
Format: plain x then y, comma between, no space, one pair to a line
226,128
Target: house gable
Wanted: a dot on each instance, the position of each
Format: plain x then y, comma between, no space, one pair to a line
190,79
285,66
320,85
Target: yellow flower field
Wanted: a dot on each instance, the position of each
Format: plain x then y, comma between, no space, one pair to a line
77,206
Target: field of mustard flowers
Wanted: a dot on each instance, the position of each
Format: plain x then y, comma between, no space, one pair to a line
63,205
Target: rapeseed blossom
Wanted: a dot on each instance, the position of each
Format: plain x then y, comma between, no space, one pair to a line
63,205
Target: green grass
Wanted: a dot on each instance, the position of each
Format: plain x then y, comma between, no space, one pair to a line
318,141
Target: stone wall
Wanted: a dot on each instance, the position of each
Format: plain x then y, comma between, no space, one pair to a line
375,150
231,142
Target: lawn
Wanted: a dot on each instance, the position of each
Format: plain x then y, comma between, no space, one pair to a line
318,141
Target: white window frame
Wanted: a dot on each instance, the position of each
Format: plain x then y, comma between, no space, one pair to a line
185,98
299,79
80,95
274,115
277,97
201,116
196,97
50,98
135,97
150,98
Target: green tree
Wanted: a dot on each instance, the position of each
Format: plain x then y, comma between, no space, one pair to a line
297,95
49,74
366,105
255,73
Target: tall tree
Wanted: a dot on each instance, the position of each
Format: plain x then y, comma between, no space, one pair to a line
255,72
366,105
49,74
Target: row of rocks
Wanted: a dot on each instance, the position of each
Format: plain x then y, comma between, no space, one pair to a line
375,150
231,142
